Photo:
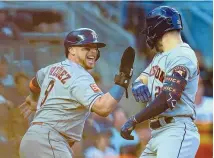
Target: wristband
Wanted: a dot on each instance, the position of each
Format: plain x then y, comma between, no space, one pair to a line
117,92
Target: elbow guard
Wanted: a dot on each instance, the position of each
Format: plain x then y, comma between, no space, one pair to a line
34,86
173,87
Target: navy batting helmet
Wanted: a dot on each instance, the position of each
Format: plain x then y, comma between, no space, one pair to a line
82,37
160,20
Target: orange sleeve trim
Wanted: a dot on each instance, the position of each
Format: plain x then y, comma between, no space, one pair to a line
34,87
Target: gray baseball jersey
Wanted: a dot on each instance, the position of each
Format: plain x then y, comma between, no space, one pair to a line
180,138
67,93
183,60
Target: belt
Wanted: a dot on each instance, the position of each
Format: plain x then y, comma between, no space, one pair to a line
71,143
160,122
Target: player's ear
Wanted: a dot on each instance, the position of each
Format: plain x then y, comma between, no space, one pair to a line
71,51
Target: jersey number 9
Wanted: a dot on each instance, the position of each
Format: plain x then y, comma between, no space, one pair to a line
47,91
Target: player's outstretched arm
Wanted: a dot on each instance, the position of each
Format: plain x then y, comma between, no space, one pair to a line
104,105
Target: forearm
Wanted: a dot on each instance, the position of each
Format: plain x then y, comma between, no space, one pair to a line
156,107
107,103
104,105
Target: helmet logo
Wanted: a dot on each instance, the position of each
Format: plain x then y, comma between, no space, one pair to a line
81,37
178,22
94,35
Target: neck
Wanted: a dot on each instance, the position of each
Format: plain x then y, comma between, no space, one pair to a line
170,40
73,59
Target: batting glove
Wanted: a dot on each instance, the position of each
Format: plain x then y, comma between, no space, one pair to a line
127,128
140,92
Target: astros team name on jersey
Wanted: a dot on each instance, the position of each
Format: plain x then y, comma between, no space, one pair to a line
60,73
157,72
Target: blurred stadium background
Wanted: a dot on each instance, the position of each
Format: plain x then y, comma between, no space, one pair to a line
32,35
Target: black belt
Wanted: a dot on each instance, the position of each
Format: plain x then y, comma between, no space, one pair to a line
156,124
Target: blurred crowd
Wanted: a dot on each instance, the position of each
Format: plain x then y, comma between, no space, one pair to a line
132,19
13,23
101,136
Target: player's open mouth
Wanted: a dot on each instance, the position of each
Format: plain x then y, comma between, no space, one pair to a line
91,59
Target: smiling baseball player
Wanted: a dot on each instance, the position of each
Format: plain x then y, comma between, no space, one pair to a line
169,85
67,94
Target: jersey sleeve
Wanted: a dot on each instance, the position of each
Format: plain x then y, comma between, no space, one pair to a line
184,66
40,75
85,91
147,70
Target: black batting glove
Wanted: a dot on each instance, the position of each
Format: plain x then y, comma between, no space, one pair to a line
127,128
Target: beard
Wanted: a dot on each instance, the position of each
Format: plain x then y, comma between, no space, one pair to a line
87,67
87,64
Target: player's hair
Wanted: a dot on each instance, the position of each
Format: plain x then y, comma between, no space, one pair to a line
66,52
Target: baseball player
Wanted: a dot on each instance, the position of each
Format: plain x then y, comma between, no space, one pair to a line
67,94
169,86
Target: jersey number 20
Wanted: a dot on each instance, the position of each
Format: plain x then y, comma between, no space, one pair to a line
49,88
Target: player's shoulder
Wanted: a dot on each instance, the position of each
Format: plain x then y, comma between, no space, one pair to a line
183,52
75,70
183,58
46,68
